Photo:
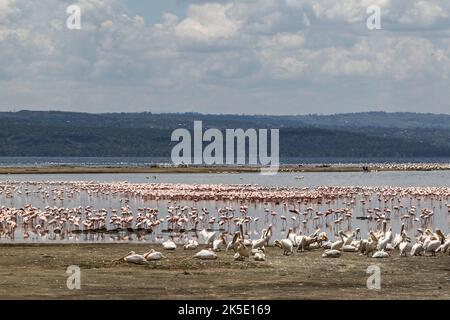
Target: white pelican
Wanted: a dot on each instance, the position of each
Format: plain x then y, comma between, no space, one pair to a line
169,245
242,251
405,245
259,255
209,237
286,245
153,255
444,247
362,246
398,237
380,254
191,245
255,251
306,242
133,257
258,243
233,243
327,244
433,242
350,237
206,254
417,249
331,254
349,248
339,243
220,243
268,234
372,244
385,238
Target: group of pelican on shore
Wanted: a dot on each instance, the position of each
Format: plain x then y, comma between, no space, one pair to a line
379,244
242,247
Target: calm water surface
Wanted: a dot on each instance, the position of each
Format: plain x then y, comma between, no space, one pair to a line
400,178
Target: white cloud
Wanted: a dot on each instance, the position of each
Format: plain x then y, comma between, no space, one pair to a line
219,53
209,21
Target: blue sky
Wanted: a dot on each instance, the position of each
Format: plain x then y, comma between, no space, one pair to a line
153,10
248,56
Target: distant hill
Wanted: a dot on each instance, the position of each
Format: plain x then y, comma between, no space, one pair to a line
371,134
171,120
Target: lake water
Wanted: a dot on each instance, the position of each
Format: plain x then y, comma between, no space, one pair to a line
260,210
145,161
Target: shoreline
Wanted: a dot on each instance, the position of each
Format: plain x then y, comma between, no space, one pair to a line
220,169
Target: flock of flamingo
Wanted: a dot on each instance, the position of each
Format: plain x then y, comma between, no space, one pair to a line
292,211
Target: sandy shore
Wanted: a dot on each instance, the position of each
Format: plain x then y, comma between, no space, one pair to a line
215,169
39,271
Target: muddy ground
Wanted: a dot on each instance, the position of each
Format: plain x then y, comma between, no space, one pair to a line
39,272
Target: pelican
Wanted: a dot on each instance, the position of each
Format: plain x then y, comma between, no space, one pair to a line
349,248
133,257
258,243
433,241
306,242
385,238
233,243
191,245
169,245
268,234
153,255
209,237
417,249
339,243
220,243
206,254
255,251
362,246
372,244
444,247
261,242
331,254
350,237
259,255
380,254
242,251
327,244
286,245
398,237
405,245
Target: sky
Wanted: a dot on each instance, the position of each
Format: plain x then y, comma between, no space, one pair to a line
243,57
